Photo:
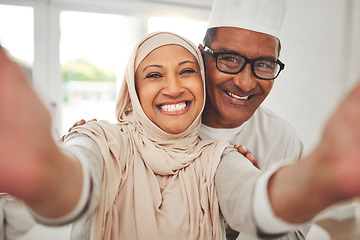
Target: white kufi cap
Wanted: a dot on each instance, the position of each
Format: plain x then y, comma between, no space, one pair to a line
265,16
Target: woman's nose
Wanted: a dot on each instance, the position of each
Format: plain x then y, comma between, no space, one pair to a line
172,87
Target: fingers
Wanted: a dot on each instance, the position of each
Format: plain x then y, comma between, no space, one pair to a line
244,151
81,122
252,159
78,123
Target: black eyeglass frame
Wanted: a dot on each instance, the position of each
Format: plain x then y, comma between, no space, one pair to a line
247,60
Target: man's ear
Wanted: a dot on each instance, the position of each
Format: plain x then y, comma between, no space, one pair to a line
201,48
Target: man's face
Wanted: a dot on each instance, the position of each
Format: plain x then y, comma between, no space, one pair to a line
233,98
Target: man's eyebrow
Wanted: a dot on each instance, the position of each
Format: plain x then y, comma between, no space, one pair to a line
227,51
154,65
224,50
268,58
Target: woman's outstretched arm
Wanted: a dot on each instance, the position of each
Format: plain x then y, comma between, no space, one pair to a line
32,166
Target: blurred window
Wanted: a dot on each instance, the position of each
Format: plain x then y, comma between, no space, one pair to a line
191,29
94,49
17,34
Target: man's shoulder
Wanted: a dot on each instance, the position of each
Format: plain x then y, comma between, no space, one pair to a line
270,137
265,117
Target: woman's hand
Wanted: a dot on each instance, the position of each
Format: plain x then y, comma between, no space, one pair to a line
25,130
340,146
32,166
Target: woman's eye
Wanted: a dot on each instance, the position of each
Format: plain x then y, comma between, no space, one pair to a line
154,75
185,71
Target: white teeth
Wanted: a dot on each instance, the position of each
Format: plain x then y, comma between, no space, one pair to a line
237,97
173,107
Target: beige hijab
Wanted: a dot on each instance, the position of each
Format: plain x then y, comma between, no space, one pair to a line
155,185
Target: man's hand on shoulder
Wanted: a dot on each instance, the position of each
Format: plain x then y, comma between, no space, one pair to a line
246,153
78,123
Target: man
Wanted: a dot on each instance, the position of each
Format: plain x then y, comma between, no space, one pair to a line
240,29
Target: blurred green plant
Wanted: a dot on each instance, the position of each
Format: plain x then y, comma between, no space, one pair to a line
82,70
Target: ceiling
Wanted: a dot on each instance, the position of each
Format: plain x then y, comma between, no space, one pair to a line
197,3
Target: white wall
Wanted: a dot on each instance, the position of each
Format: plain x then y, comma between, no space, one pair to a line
319,47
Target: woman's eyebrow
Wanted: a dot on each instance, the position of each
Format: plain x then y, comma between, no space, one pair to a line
188,61
154,65
161,66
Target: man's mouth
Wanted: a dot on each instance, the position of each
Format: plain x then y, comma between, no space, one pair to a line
174,107
233,95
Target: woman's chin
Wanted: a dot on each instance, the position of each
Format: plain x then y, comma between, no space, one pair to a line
175,129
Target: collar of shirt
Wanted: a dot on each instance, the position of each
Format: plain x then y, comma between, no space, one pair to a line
225,134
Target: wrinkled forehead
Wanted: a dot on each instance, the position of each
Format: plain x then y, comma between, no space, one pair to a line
160,40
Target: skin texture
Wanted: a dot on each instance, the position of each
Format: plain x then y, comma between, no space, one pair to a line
170,76
222,110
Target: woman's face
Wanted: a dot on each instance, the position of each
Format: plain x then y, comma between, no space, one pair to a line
169,86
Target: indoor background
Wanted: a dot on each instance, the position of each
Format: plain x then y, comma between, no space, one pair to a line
77,50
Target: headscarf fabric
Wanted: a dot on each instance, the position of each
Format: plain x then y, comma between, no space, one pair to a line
155,185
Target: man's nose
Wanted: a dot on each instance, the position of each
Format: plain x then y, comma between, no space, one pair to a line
245,79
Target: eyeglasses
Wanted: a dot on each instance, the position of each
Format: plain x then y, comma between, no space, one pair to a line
233,63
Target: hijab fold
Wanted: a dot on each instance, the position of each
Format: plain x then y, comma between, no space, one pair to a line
155,185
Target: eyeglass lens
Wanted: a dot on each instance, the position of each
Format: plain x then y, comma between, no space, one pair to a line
263,68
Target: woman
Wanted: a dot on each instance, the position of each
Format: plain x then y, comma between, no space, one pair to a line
146,177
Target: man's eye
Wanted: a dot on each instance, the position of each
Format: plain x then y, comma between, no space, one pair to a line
229,59
154,75
265,65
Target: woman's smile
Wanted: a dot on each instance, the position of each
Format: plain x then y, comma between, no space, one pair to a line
174,108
